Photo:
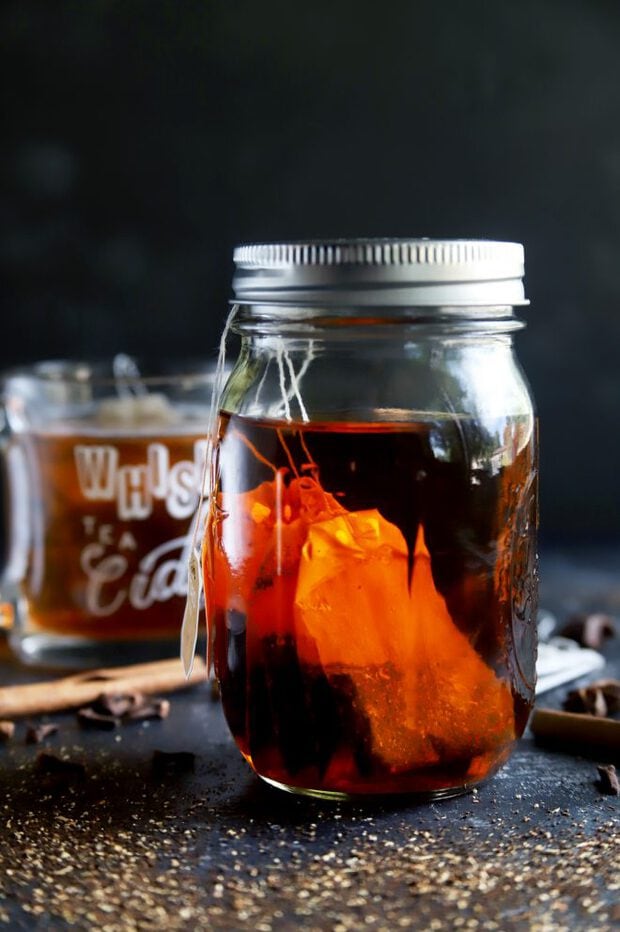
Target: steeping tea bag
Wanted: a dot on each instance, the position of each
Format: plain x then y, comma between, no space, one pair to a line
350,602
261,546
424,689
133,405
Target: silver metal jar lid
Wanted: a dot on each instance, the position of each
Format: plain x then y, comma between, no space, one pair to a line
381,272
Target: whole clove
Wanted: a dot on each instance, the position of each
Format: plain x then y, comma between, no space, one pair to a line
90,718
7,730
38,733
111,709
149,709
589,630
608,780
601,698
116,704
172,763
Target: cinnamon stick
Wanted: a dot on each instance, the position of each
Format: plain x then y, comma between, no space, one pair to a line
576,732
70,692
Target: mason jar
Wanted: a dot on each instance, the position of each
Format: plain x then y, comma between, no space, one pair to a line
370,554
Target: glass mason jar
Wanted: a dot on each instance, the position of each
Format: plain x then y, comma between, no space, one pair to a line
370,555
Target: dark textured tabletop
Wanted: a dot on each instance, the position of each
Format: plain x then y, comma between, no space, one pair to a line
129,846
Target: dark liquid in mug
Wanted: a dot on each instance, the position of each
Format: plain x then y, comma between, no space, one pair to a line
373,593
109,516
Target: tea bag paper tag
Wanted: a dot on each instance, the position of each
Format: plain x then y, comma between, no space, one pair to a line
189,627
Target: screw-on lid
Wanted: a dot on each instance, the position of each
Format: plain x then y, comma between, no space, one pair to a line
381,272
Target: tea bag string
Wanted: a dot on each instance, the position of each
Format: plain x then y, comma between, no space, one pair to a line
261,383
282,358
279,357
189,626
218,387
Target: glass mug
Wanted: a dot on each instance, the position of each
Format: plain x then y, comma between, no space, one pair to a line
102,466
370,554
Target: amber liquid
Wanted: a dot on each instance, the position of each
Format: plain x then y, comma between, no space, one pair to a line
108,518
373,595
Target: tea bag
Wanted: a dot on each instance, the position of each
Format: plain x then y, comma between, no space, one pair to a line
451,694
425,691
261,544
133,405
136,411
351,591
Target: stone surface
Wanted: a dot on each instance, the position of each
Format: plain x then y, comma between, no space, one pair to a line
130,846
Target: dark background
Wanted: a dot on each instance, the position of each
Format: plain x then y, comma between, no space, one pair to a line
144,138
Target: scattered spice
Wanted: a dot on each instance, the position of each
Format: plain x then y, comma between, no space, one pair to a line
173,763
111,709
589,630
226,854
7,730
38,733
608,780
59,771
601,698
178,868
